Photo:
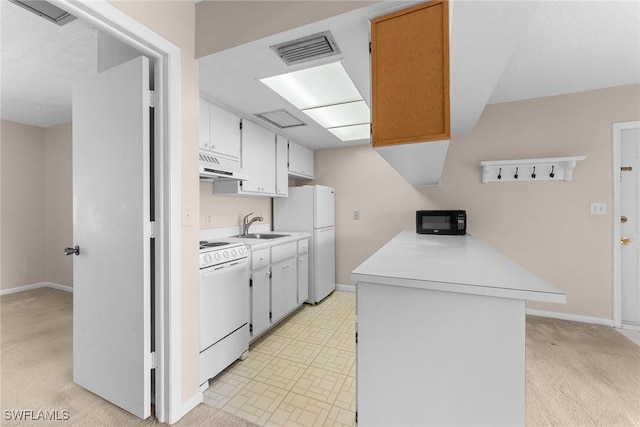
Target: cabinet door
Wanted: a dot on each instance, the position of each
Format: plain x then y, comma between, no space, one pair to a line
260,295
224,132
300,160
282,172
204,124
410,75
258,158
303,278
284,289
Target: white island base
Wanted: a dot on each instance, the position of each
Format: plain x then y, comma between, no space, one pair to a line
427,356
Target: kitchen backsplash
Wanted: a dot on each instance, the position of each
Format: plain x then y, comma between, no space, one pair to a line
227,211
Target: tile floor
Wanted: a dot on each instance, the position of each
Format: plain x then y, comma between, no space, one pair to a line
300,373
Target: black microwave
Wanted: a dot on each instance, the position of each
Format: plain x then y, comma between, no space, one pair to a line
441,222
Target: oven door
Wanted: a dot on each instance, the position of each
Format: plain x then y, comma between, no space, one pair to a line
224,301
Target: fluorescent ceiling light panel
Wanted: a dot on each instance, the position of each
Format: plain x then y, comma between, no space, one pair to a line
352,133
315,87
340,114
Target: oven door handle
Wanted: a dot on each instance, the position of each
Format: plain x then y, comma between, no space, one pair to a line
213,270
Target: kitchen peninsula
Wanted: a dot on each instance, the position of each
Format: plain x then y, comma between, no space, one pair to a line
441,333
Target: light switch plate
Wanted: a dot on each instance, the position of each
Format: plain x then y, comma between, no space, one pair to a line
187,216
598,208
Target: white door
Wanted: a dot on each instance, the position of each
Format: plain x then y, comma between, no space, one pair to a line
111,214
630,225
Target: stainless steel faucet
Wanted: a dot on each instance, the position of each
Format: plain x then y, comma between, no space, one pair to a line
246,223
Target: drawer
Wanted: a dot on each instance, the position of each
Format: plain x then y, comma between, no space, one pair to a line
280,252
303,246
259,258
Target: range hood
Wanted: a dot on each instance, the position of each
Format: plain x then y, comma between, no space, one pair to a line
220,168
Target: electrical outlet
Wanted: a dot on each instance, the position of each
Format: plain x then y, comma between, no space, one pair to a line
356,214
209,218
598,208
187,216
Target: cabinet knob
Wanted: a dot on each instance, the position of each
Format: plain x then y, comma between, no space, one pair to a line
625,240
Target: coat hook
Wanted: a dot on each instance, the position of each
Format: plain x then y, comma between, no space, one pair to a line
516,175
552,174
533,175
500,173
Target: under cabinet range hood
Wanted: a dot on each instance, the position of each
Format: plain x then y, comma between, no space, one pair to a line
220,168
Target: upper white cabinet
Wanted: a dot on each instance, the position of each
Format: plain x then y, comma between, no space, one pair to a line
300,161
258,160
219,130
282,173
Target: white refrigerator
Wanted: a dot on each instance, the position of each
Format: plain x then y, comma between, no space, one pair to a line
311,209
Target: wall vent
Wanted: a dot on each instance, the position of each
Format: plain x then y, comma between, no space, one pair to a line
308,48
46,10
281,118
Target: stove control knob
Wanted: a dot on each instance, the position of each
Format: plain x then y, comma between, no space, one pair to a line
241,250
225,254
217,256
234,252
207,258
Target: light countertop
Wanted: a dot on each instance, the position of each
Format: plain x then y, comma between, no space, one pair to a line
461,264
254,244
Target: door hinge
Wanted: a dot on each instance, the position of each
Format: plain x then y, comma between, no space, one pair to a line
369,47
240,124
250,283
270,315
151,230
152,99
356,338
152,360
370,128
250,327
270,274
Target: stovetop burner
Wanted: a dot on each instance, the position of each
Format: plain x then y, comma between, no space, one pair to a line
204,244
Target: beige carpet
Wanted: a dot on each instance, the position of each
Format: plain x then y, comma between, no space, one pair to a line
580,374
577,374
36,371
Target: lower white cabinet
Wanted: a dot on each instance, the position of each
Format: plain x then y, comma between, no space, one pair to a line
279,283
260,297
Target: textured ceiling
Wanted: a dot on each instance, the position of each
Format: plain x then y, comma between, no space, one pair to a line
40,63
571,46
574,46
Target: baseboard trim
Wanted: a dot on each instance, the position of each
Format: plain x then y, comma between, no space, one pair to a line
36,286
191,403
568,316
345,288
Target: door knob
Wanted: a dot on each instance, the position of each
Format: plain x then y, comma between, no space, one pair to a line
625,240
72,251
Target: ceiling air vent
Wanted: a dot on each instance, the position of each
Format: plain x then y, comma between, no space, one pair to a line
307,48
46,10
281,118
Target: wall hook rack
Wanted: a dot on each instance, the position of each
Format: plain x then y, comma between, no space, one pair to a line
543,169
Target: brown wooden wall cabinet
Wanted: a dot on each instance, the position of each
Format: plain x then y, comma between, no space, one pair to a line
410,75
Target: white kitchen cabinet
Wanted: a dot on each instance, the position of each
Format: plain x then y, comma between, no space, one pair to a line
282,172
260,298
258,160
219,130
300,161
284,288
279,283
303,278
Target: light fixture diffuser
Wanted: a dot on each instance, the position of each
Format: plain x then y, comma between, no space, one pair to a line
352,133
315,87
331,116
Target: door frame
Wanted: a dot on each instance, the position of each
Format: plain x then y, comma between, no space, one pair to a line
168,313
616,138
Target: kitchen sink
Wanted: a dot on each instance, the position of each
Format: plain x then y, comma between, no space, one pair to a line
262,236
